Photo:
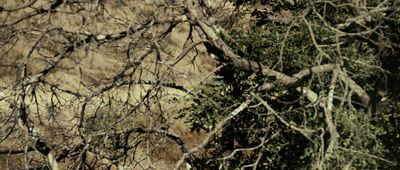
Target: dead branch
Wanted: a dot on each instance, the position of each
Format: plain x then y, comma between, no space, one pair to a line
362,95
334,135
211,135
305,132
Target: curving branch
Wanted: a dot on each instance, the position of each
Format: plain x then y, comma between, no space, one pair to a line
241,64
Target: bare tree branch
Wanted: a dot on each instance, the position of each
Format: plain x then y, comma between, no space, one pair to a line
210,135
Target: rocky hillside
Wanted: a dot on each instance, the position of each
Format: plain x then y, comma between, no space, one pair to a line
76,69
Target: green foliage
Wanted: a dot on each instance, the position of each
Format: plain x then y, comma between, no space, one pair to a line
275,3
206,111
388,120
364,138
359,136
286,150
